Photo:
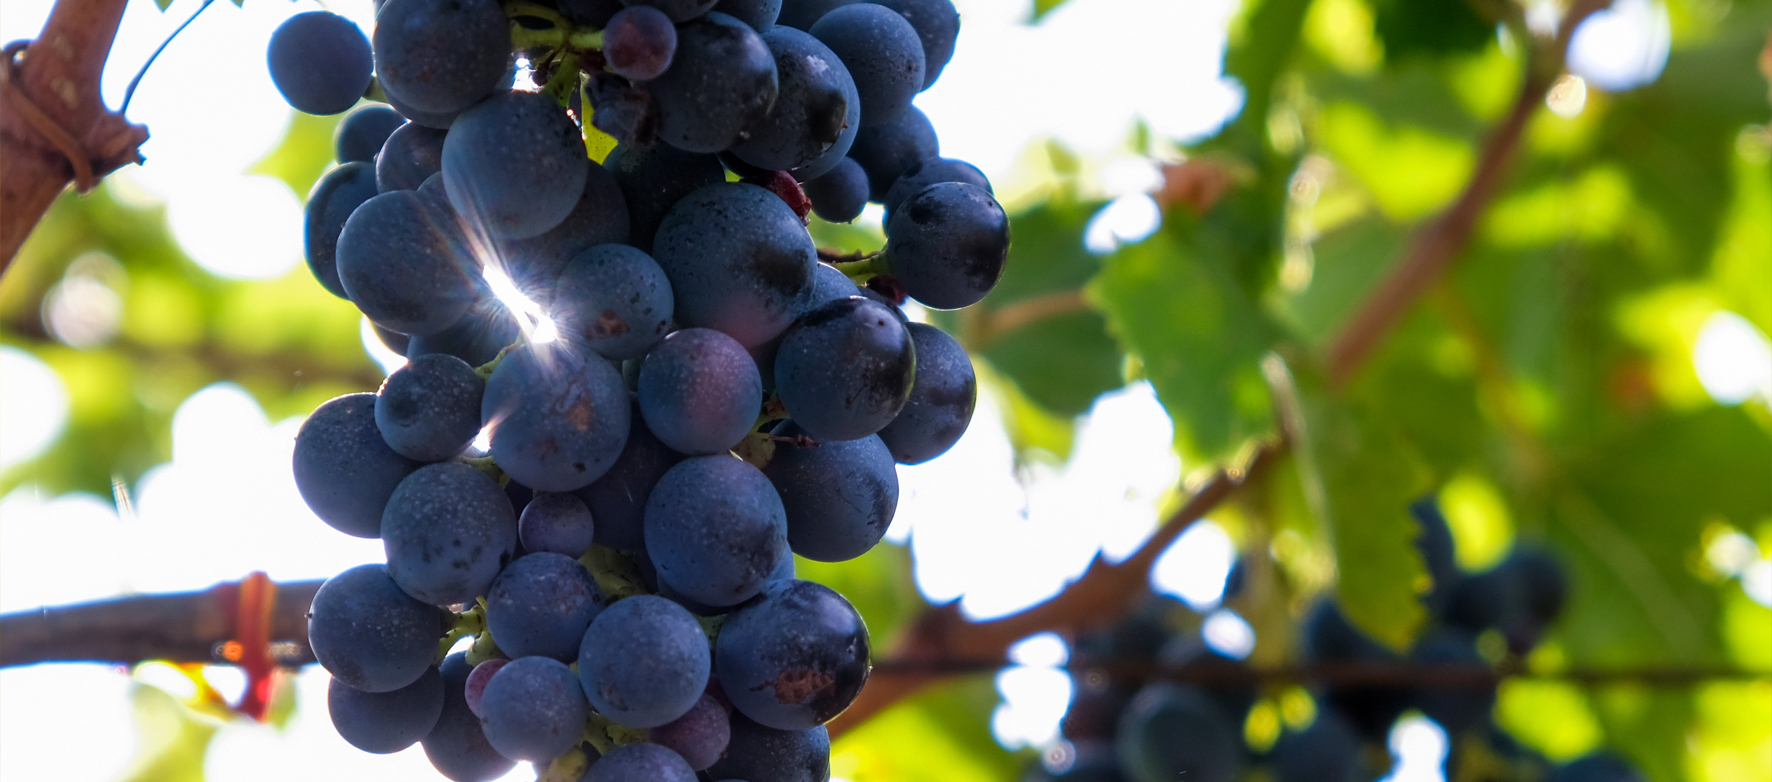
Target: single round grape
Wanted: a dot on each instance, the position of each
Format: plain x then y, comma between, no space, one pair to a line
941,402
386,722
343,467
845,369
361,134
739,261
533,710
931,171
644,661
795,657
938,26
429,409
320,61
558,522
947,244
759,14
559,418
600,217
1148,742
882,52
540,605
653,179
400,264
840,194
330,203
409,156
700,735
764,754
618,499
839,495
887,150
816,111
457,747
447,532
615,300
699,391
515,164
640,762
639,42
474,690
828,285
721,79
369,634
715,529
441,57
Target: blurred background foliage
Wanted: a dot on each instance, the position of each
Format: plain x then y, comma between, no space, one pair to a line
1546,388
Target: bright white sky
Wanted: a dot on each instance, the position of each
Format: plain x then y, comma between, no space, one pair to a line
226,504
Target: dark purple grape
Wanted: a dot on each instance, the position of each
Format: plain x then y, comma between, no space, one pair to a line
644,661
1460,708
839,194
700,735
653,179
927,172
888,150
533,710
475,339
947,244
699,392
320,61
361,134
447,532
441,57
640,762
1327,751
721,79
802,14
839,495
938,27
1602,766
795,657
715,529
941,402
817,110
540,605
401,264
618,499
1148,743
882,52
369,634
386,722
1329,638
514,164
759,14
474,690
343,467
615,300
764,754
639,42
457,747
600,217
558,417
845,369
558,522
739,261
429,409
330,203
677,11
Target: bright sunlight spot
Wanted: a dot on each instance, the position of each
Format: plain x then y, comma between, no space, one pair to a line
1420,746
1567,97
1034,701
1622,47
1733,359
33,406
537,327
1228,634
240,227
1128,219
1040,650
1195,567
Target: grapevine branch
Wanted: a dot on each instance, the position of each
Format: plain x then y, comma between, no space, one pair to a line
54,127
177,627
1436,246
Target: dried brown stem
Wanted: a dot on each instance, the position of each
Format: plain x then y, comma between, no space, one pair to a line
54,127
179,627
1437,245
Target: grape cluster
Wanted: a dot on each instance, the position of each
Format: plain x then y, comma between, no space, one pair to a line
701,400
1190,721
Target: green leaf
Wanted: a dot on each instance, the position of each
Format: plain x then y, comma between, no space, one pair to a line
1430,28
304,153
1044,7
879,584
163,4
941,735
172,739
1035,327
1360,478
1175,304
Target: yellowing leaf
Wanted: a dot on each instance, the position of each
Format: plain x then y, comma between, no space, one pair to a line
173,739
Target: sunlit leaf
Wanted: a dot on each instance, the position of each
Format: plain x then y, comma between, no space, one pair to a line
172,738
